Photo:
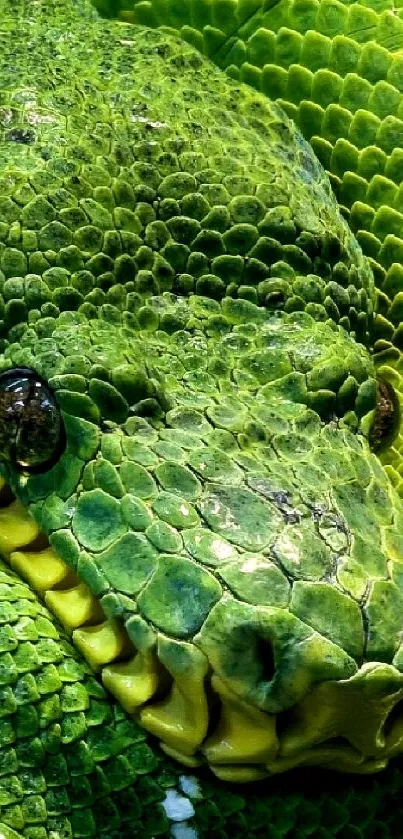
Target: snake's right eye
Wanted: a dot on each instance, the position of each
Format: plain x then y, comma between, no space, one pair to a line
32,434
387,417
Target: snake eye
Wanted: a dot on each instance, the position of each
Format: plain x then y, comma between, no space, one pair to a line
387,417
31,430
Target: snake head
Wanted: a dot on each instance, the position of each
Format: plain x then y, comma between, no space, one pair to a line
221,542
186,405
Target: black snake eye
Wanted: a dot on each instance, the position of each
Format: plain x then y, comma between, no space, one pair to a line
387,417
31,429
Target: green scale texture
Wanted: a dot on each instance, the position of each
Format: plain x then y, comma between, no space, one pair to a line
337,70
174,262
71,764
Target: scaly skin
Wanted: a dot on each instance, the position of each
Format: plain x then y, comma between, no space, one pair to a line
337,70
225,549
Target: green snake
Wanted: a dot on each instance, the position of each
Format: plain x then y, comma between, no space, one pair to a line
201,525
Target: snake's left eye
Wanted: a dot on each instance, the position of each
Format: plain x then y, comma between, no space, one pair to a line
31,429
386,418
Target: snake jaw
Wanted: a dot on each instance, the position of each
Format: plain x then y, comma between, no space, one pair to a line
286,697
198,551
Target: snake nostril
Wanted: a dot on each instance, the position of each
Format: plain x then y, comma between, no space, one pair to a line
265,655
393,725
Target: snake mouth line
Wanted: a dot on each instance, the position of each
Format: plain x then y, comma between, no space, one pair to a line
180,713
196,717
